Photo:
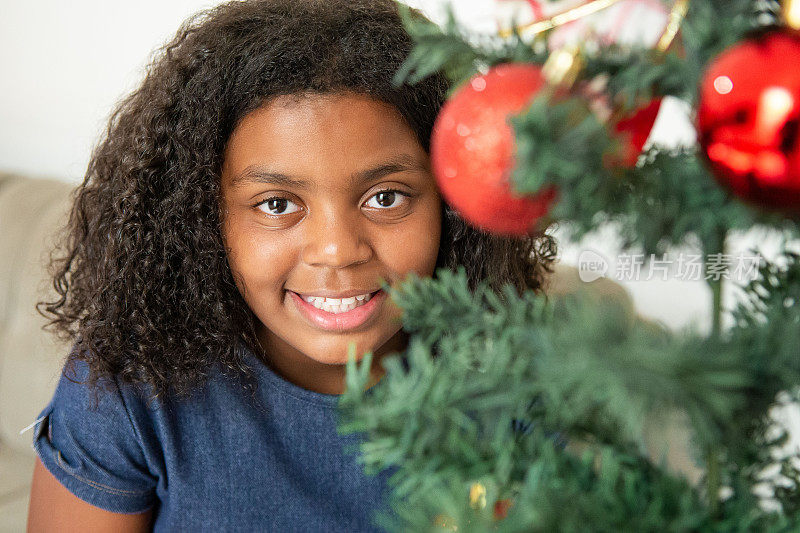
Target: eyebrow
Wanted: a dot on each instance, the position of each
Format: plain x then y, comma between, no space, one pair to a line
260,174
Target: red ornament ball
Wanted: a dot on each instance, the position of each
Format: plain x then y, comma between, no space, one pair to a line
472,150
748,120
473,147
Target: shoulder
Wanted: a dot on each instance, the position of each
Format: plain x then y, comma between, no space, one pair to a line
90,440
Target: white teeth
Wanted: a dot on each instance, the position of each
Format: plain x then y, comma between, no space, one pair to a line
338,305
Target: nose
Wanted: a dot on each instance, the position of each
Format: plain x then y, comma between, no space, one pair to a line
335,241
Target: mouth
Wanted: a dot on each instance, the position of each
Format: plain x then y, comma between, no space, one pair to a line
339,314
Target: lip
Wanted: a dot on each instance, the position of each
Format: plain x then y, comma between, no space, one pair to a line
342,321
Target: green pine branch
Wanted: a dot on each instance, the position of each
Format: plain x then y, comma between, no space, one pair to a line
477,363
454,51
496,380
669,199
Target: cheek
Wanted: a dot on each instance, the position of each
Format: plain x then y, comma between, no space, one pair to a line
258,261
413,246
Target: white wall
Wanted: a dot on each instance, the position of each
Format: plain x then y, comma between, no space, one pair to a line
63,65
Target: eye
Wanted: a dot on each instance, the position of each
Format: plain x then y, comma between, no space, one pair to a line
387,199
278,206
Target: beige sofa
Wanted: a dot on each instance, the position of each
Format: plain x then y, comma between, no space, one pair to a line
31,211
30,359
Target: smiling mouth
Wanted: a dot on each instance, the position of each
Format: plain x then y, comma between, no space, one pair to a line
338,314
338,305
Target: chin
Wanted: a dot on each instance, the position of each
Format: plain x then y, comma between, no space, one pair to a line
337,357
336,352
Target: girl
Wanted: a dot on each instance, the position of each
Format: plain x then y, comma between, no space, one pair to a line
227,243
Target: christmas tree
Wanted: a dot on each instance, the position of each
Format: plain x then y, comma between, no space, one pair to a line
475,414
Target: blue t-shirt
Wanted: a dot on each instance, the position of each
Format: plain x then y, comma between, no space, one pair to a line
215,463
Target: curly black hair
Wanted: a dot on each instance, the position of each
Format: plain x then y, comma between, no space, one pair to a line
145,291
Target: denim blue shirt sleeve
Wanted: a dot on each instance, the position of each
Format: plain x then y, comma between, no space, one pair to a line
93,449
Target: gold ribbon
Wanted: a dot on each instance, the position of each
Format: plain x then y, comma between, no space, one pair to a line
565,17
679,9
676,16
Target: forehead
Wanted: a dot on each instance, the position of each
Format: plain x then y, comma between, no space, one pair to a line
320,137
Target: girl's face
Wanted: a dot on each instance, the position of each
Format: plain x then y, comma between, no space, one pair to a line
324,196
